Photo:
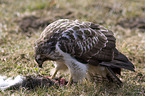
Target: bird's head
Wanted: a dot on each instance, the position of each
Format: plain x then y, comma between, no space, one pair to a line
43,52
40,59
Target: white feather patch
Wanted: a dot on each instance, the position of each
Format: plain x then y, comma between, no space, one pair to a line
77,70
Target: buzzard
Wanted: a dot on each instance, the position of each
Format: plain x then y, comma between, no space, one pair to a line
86,49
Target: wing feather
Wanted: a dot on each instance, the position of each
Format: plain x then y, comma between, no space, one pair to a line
87,43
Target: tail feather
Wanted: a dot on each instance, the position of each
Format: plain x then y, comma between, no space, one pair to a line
107,70
120,61
118,64
112,76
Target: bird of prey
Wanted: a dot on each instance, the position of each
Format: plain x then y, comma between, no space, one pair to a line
86,49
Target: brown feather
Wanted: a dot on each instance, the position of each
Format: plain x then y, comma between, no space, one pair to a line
89,44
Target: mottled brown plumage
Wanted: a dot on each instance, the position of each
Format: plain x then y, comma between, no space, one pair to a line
85,48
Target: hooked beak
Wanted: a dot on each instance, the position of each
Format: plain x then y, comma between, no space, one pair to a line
39,62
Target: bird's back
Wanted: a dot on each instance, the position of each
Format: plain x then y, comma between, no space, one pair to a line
86,42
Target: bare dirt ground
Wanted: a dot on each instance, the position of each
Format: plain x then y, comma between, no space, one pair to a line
133,23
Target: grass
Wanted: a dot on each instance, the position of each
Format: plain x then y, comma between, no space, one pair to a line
16,47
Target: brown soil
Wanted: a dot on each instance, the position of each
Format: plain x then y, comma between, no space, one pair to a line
133,23
30,23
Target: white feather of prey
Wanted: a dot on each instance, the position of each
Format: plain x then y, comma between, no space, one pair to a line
6,83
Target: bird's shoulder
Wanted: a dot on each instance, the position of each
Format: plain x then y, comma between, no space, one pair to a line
86,39
81,40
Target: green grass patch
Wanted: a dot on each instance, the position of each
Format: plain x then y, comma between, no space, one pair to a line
17,53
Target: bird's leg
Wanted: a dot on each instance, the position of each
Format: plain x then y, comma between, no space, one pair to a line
54,74
70,81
